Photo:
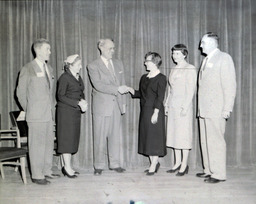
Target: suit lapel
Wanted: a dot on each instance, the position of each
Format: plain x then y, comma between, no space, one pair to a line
38,71
36,67
116,70
210,63
105,70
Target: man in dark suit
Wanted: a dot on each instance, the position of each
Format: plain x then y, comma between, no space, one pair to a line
216,96
108,104
35,94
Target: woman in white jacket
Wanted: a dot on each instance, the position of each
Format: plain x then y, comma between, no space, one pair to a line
179,108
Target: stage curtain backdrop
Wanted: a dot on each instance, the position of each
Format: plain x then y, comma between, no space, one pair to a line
137,26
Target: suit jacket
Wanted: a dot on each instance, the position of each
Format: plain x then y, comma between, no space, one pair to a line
181,89
217,86
69,91
34,94
105,93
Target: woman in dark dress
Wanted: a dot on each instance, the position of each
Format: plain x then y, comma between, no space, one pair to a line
70,104
152,138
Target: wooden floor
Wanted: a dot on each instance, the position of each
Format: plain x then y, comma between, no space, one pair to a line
131,187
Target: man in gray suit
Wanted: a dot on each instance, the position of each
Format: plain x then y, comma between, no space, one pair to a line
108,104
35,94
216,95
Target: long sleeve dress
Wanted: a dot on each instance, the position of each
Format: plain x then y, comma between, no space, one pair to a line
152,138
181,90
69,93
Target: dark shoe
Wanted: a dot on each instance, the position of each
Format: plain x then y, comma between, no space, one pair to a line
146,171
174,170
41,181
157,167
150,173
203,175
98,172
183,173
52,176
76,172
118,169
65,173
212,180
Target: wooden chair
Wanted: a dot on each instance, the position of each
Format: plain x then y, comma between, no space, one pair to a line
21,125
8,155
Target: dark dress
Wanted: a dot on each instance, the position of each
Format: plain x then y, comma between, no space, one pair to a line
69,92
152,137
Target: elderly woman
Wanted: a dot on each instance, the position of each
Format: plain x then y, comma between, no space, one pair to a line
70,104
179,108
151,92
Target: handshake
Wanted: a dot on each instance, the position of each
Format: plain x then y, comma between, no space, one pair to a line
83,105
125,89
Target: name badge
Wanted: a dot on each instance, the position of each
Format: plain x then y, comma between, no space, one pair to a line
40,74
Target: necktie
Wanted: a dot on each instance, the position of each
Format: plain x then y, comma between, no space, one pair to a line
46,75
111,69
203,67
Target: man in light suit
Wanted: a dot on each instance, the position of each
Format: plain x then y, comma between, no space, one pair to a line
216,95
108,104
35,94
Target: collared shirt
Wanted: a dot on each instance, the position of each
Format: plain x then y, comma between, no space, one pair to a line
76,75
106,61
41,65
209,56
153,73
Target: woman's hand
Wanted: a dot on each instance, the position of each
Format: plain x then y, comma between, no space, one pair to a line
154,117
131,90
83,105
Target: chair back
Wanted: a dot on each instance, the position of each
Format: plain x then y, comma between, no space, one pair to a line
21,125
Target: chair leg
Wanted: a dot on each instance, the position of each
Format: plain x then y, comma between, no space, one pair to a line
23,169
2,171
16,168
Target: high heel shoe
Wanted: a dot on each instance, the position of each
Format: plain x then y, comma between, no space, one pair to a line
156,170
65,173
157,167
183,173
174,170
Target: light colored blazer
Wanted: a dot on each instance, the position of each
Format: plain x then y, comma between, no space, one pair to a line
217,86
34,94
181,89
105,89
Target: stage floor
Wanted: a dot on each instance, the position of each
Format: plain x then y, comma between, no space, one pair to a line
133,186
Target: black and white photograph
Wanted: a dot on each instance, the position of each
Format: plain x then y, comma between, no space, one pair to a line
127,102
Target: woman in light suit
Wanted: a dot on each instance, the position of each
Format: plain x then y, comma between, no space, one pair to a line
179,108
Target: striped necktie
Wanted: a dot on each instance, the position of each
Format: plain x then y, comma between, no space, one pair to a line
111,69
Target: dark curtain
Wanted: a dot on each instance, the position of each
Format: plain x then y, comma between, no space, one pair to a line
137,26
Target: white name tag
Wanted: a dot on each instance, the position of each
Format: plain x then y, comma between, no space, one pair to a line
40,74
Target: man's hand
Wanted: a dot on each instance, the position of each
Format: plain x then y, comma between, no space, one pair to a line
123,89
225,114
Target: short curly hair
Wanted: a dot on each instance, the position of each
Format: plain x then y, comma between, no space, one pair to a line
156,58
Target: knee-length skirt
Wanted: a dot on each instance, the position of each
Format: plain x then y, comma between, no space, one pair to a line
68,130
